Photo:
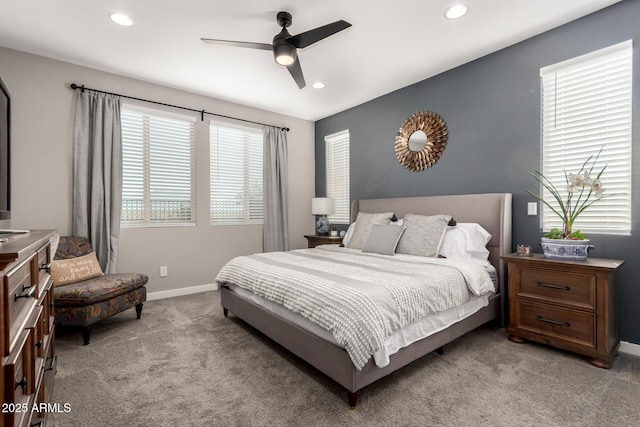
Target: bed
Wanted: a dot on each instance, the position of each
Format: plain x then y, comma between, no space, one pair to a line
491,211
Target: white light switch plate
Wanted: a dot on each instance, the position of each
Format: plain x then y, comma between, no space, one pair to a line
532,208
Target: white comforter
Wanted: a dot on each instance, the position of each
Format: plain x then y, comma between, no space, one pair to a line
360,298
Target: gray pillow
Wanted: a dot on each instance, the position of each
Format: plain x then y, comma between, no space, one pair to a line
364,222
383,239
423,235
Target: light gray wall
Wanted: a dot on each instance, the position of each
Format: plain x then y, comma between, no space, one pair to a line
492,110
43,110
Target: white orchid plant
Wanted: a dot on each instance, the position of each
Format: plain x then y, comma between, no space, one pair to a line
583,189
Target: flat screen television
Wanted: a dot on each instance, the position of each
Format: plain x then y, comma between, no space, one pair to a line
5,152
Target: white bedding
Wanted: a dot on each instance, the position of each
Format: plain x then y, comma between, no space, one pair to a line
438,319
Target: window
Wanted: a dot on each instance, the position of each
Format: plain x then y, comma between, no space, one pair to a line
236,173
337,152
586,106
158,182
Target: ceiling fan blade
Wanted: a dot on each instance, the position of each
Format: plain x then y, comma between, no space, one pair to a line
250,45
307,38
296,72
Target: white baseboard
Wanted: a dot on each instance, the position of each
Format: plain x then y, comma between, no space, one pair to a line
181,291
629,348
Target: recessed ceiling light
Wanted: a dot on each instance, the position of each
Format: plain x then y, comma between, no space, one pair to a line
456,11
121,19
318,85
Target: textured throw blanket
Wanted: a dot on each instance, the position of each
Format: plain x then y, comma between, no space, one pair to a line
360,298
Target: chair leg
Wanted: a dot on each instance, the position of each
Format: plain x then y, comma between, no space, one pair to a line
86,332
139,310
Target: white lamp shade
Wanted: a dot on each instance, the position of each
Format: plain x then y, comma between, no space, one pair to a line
322,206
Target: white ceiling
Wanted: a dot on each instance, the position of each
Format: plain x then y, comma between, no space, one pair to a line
391,44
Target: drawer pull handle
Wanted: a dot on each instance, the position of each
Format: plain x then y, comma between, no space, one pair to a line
39,344
554,322
27,294
22,383
45,266
53,358
550,286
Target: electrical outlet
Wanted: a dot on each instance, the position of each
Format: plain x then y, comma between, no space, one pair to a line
163,271
532,208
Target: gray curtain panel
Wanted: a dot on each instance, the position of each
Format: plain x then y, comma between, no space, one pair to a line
97,175
275,235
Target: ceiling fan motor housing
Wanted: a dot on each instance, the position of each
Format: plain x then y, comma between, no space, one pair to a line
284,19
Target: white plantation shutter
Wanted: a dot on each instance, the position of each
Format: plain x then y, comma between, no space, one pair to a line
337,152
586,106
158,173
236,190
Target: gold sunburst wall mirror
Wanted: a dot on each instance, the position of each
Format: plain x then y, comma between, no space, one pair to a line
421,140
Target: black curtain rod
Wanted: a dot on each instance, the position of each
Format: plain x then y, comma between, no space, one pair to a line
202,112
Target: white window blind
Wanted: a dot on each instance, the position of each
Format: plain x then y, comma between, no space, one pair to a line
158,173
236,174
337,152
586,106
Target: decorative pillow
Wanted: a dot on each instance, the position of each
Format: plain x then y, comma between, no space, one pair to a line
364,222
423,235
466,241
72,270
347,237
383,239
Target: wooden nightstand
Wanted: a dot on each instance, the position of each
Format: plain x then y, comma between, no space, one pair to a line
566,304
314,240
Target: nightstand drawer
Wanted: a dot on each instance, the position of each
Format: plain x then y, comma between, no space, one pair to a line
557,322
315,240
556,286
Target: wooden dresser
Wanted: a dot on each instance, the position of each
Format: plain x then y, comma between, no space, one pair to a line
566,304
26,328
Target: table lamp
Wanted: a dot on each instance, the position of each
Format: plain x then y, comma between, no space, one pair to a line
322,206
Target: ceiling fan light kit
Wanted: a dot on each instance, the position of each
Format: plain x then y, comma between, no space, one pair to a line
285,54
285,45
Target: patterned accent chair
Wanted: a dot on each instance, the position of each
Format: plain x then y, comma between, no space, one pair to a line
84,303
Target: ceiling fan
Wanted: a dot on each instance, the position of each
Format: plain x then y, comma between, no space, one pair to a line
285,45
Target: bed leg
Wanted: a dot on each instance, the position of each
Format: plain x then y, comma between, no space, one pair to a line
225,312
440,350
353,399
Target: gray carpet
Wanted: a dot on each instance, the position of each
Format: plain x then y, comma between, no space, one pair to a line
185,364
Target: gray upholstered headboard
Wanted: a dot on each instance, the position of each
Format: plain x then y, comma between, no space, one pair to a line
492,211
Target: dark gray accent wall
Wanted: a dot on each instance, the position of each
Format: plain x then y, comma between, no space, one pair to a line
492,110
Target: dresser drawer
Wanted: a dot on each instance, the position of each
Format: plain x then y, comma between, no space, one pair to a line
573,289
19,379
19,294
45,391
46,302
557,322
43,263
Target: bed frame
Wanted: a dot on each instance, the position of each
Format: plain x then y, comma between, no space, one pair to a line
492,211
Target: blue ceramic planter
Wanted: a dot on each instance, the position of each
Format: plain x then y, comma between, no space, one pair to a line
567,250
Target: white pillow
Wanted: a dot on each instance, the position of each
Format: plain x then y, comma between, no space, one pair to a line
348,234
466,241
